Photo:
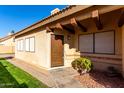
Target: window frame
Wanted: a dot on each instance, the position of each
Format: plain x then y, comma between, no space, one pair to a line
94,43
19,45
29,44
34,44
79,42
22,45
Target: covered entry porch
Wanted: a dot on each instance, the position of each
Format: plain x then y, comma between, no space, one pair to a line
96,33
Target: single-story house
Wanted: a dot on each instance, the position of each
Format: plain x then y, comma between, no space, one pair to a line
93,31
7,44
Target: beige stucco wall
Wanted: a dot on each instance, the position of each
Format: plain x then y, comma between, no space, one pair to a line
8,42
69,48
41,56
109,21
7,49
7,46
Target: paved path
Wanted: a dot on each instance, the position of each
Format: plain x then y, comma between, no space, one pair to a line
39,73
59,78
64,78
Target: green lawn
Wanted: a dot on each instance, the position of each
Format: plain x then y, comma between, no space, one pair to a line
13,77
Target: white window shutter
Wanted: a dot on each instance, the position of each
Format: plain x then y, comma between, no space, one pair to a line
32,44
27,44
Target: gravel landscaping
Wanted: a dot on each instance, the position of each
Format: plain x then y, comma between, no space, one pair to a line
97,79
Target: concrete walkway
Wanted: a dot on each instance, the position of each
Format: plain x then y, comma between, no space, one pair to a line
64,78
58,78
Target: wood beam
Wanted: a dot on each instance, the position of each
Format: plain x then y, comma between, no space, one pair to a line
59,26
82,27
68,29
121,19
78,24
48,29
74,22
96,19
63,27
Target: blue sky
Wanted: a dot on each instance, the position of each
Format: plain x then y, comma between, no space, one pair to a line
18,17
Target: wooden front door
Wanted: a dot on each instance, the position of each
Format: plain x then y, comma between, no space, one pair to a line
57,53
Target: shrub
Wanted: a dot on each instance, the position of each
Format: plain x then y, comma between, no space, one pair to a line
82,65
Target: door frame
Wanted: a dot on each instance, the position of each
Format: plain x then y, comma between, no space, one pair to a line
51,51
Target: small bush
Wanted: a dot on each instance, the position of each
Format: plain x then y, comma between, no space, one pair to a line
82,65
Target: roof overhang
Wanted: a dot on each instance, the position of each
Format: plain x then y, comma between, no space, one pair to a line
7,37
70,11
63,13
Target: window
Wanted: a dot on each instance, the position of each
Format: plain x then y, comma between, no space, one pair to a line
2,43
86,43
32,44
20,44
27,44
102,42
17,45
